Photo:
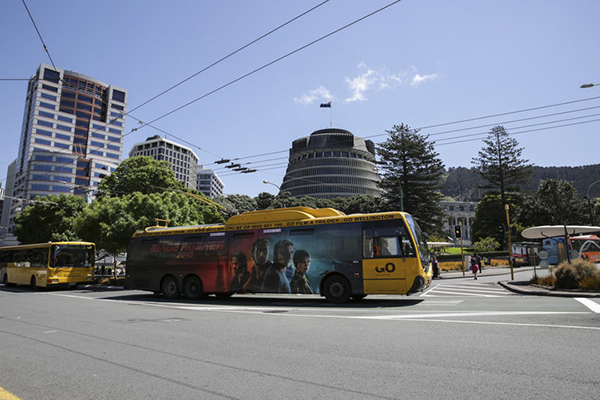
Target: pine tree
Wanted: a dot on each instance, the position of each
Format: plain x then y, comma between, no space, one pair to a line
411,175
500,163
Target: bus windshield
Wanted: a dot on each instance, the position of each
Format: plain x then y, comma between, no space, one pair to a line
69,256
420,239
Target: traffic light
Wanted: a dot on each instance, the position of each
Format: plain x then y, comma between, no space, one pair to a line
457,232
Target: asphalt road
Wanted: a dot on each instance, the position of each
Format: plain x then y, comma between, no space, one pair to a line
462,339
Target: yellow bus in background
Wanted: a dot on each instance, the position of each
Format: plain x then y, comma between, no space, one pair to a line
290,250
48,264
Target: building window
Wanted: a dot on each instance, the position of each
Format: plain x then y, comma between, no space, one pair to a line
51,76
118,96
45,114
48,96
47,105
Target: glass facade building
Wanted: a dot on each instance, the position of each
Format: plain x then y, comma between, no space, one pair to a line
71,136
331,163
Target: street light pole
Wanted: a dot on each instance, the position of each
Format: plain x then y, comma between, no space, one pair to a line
278,188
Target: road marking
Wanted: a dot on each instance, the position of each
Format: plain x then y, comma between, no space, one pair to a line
466,289
4,395
592,305
593,328
465,314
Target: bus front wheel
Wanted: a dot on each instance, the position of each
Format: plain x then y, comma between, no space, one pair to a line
192,288
170,288
336,289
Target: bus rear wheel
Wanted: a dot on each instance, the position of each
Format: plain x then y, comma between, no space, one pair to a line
170,288
336,289
192,288
6,282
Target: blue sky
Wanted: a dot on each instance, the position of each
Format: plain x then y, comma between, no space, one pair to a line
426,63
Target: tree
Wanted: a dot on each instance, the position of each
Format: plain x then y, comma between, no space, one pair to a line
485,245
110,222
500,163
555,203
49,218
237,203
139,174
491,223
411,175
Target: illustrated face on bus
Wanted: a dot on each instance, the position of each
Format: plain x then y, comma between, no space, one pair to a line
303,265
260,255
239,264
284,254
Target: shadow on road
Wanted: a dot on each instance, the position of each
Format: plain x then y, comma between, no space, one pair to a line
274,301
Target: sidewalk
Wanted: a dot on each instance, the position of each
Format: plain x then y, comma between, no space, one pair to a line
521,287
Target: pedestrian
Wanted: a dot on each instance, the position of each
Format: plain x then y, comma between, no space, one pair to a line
436,267
474,266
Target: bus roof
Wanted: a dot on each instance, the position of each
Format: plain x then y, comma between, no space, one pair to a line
47,244
276,218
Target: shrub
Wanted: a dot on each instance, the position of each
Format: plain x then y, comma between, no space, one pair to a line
569,276
547,280
591,283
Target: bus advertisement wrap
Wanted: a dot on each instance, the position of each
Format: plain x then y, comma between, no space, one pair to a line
338,257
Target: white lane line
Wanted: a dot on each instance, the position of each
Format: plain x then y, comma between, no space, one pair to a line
455,321
464,314
592,305
457,293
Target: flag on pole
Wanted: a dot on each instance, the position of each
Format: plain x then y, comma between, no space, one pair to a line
325,105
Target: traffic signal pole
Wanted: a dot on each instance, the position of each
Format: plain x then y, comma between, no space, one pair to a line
458,234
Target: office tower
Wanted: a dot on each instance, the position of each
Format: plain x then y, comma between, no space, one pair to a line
71,137
209,183
183,160
331,163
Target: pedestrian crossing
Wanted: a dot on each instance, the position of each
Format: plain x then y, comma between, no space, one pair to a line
466,289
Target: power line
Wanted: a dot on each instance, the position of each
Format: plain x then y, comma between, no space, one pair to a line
231,54
39,34
274,62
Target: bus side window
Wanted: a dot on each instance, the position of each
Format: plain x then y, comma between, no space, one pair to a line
368,247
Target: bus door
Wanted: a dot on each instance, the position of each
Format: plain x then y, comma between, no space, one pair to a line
389,258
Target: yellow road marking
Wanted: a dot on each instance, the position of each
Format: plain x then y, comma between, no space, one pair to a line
4,395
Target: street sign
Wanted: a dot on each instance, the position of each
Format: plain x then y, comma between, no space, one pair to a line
544,264
543,255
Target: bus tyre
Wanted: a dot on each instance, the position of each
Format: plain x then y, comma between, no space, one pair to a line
336,289
170,288
192,288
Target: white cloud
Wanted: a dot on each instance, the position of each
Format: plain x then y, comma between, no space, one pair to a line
371,80
316,95
422,78
381,79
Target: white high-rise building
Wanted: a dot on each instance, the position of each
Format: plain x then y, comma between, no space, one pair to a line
209,183
71,137
183,160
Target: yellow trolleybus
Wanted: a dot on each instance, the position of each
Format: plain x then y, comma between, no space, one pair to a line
48,264
289,250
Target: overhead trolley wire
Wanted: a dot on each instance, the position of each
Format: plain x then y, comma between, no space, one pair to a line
230,54
274,61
